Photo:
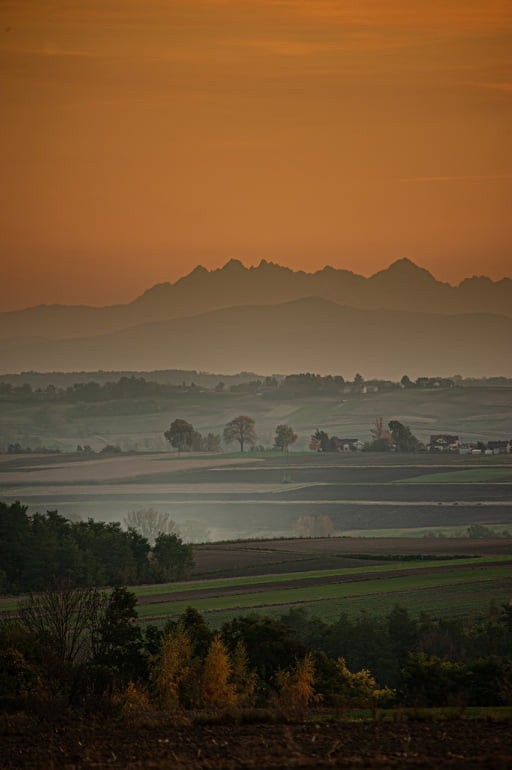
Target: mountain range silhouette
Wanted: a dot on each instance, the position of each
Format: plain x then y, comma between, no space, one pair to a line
270,318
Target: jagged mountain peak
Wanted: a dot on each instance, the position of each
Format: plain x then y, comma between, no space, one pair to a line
232,265
403,285
268,265
404,268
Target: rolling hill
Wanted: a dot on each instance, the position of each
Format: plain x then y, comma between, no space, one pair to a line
309,334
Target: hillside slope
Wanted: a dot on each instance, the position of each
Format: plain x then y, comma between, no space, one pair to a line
310,334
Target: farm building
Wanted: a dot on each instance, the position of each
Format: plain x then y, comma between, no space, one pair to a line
500,447
349,444
444,442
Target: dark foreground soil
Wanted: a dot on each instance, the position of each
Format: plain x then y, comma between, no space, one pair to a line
456,744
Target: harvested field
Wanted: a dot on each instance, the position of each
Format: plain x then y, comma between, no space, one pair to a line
455,744
234,496
235,558
102,469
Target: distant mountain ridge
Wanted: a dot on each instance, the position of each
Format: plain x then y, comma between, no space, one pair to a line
403,286
307,334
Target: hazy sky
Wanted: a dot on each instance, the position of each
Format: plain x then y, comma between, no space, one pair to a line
142,137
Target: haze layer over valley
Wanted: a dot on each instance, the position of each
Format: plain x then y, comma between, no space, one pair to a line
272,319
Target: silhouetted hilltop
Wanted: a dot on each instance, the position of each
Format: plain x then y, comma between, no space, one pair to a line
309,334
402,286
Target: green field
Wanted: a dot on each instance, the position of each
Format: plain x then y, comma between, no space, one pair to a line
442,587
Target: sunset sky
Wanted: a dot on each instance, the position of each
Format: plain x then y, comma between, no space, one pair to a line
142,137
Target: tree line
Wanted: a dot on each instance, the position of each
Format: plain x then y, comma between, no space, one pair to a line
241,430
132,387
396,437
40,549
80,647
92,391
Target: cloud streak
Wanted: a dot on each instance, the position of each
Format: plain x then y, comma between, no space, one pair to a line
456,178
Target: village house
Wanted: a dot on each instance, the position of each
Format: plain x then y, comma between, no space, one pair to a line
349,445
500,447
444,442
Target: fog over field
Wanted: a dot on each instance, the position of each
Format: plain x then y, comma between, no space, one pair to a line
272,319
218,498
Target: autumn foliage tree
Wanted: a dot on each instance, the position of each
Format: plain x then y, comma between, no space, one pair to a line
170,669
217,689
381,438
358,689
244,679
285,436
295,687
240,429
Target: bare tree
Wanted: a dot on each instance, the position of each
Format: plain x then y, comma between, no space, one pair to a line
64,620
150,523
316,525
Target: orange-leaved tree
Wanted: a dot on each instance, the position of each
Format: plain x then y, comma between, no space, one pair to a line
171,668
295,687
217,689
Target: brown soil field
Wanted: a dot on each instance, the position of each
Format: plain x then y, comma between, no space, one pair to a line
296,555
46,469
240,497
455,745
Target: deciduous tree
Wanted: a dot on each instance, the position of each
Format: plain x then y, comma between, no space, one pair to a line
240,429
150,523
180,435
296,686
284,437
172,557
217,689
315,525
62,622
402,437
171,668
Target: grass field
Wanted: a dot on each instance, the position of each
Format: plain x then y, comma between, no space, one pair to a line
445,587
454,587
478,413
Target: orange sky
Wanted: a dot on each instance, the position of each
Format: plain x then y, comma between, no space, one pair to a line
142,137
